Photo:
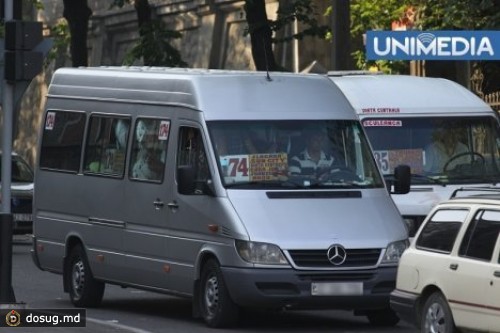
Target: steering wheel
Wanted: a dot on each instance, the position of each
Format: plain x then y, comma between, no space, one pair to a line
451,159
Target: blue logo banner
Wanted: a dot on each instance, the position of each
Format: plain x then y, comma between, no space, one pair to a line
433,45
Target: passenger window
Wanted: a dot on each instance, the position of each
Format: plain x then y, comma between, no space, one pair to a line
106,145
191,152
62,141
440,232
149,149
481,236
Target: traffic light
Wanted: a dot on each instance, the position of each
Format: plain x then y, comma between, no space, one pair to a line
21,62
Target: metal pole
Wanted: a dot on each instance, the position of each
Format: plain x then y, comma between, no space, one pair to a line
6,290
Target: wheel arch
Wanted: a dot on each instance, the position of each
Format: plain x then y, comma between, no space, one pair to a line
71,242
204,255
424,295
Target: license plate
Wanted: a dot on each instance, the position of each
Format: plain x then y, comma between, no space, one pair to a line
22,217
336,288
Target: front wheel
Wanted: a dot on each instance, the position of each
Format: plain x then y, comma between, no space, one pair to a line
384,317
436,316
84,290
216,306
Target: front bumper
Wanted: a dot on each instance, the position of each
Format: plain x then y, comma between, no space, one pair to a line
405,305
288,288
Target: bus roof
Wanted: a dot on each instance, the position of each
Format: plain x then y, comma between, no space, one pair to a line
219,94
389,94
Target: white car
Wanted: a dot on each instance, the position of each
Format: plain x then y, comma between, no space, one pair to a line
449,277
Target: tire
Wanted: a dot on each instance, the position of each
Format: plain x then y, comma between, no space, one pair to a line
385,317
436,316
216,306
84,290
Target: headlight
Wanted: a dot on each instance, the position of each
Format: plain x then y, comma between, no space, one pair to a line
260,253
394,252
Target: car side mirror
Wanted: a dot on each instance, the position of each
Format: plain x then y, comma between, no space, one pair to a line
402,179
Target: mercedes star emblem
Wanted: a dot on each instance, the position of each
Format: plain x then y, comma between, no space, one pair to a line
336,254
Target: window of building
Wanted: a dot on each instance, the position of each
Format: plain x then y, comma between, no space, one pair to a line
62,140
481,236
106,145
440,232
149,149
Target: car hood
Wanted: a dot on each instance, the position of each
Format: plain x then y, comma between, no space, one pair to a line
312,221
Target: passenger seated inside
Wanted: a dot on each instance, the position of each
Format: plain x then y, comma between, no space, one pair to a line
146,155
445,148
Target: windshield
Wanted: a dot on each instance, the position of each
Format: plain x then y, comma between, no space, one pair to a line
293,154
456,150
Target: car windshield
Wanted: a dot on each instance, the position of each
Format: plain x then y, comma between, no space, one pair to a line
451,150
293,154
21,172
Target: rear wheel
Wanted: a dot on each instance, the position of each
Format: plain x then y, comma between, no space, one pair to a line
84,290
384,317
436,316
216,306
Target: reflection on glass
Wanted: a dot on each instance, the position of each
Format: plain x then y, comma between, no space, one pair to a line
293,154
456,150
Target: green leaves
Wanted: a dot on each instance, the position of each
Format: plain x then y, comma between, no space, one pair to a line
430,15
154,47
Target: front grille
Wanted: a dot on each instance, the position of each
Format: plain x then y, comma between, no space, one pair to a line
339,276
319,258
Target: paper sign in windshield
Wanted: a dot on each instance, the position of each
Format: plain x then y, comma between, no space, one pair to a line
382,123
387,160
254,167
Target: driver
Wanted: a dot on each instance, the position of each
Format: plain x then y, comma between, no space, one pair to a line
312,160
445,146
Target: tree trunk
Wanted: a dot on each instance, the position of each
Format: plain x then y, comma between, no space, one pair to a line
260,35
77,13
143,10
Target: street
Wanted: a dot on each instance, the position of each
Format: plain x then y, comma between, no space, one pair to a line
141,311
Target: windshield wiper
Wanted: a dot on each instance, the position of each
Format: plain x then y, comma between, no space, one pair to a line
254,184
431,179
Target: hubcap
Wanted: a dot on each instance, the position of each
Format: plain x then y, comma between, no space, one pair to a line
212,294
435,319
78,278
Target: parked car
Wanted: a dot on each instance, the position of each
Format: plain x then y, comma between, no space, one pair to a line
21,194
449,277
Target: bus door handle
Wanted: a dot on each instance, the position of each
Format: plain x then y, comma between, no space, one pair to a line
453,267
173,205
158,204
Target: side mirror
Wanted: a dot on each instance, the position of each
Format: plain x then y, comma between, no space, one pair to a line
402,179
186,179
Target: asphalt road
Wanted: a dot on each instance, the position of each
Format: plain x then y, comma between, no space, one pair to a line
131,310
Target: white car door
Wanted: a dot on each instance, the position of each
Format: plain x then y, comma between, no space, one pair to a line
492,296
473,300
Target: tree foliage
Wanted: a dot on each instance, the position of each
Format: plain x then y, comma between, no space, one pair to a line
263,31
153,47
305,13
429,15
